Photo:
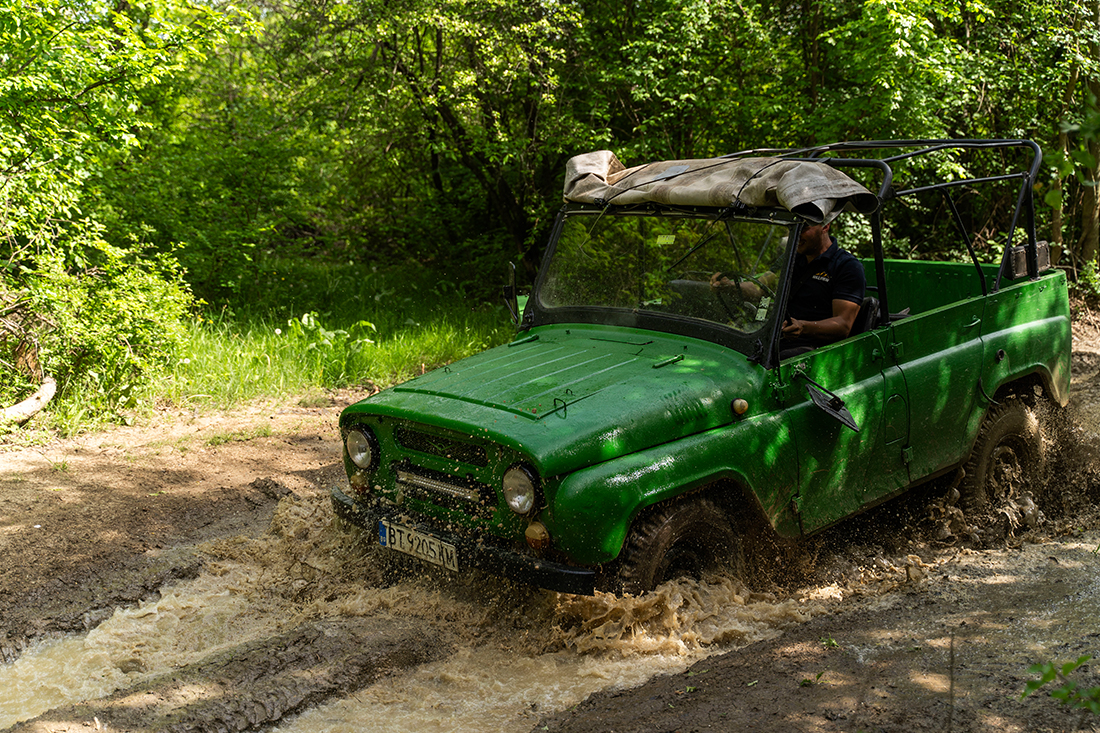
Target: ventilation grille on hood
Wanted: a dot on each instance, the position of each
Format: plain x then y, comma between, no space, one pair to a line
437,445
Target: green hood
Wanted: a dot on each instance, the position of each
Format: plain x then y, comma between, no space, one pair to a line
571,397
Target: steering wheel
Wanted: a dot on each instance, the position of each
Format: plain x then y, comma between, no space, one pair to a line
733,300
764,288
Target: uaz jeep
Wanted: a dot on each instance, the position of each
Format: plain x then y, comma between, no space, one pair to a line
642,418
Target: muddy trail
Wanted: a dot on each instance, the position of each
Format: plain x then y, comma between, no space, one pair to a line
186,575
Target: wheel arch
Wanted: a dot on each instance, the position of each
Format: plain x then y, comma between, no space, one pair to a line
608,503
1032,385
1008,372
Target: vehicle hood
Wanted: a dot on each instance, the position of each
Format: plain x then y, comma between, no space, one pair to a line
571,397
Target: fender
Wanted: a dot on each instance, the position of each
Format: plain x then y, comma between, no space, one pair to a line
591,511
1027,331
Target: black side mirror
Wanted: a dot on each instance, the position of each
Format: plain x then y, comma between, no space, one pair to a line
830,403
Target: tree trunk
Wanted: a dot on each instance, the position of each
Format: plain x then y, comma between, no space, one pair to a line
811,50
29,407
1090,210
1057,222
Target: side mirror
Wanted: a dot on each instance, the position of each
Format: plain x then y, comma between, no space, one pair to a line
511,300
830,403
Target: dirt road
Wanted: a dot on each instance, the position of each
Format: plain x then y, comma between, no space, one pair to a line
184,575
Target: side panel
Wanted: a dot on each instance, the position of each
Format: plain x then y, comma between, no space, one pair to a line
591,510
940,354
842,470
1027,331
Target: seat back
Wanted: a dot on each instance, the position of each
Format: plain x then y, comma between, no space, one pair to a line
867,316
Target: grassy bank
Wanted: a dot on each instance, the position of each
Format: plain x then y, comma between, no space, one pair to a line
303,325
299,326
230,360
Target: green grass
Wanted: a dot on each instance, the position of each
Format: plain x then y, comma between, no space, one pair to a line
236,436
354,327
301,327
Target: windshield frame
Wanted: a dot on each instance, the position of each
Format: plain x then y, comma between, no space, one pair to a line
756,346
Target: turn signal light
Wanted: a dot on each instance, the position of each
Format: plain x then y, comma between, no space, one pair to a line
538,538
360,481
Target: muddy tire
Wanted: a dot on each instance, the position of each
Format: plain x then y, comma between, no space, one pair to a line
683,538
1008,456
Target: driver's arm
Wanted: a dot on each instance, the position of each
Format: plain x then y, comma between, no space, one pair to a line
829,329
748,290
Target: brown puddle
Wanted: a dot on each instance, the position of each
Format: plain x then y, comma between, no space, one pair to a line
518,652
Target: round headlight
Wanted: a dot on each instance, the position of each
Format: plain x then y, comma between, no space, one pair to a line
519,489
360,447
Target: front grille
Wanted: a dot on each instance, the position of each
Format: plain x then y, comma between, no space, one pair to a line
444,490
437,445
414,479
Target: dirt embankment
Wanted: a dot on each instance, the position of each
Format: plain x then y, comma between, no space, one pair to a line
107,519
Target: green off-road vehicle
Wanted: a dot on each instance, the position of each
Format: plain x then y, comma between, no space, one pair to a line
644,423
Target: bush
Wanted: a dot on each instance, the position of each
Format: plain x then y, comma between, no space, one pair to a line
103,321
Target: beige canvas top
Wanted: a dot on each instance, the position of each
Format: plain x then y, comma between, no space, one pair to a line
815,191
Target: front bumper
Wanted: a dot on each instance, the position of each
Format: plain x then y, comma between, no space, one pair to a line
495,560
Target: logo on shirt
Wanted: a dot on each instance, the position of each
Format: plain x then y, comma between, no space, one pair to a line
822,277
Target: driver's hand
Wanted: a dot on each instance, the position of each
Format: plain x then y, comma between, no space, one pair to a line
719,280
793,327
751,292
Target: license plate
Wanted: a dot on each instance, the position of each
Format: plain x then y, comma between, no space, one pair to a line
419,545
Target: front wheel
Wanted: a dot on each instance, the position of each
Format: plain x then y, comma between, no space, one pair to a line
1008,456
682,538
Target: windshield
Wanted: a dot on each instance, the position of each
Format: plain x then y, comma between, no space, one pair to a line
721,271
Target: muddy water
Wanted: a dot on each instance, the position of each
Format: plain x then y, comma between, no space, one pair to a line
517,653
189,622
607,642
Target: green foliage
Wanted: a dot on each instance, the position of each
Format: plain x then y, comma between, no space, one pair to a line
1078,161
1087,282
102,318
73,73
115,324
436,132
807,682
1069,692
190,141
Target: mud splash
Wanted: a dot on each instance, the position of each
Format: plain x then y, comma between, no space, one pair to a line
520,652
588,644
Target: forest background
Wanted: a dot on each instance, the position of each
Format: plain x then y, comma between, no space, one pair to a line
202,202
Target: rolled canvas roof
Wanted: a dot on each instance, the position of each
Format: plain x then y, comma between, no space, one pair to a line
815,191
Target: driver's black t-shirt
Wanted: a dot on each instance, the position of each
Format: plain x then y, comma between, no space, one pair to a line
835,274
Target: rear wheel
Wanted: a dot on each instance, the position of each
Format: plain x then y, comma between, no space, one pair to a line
1007,459
683,538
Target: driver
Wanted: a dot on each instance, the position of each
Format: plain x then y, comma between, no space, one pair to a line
827,288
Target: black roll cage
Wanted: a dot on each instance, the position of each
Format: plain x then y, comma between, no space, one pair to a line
1025,201
908,149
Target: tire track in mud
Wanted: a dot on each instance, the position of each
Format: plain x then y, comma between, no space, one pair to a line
257,683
